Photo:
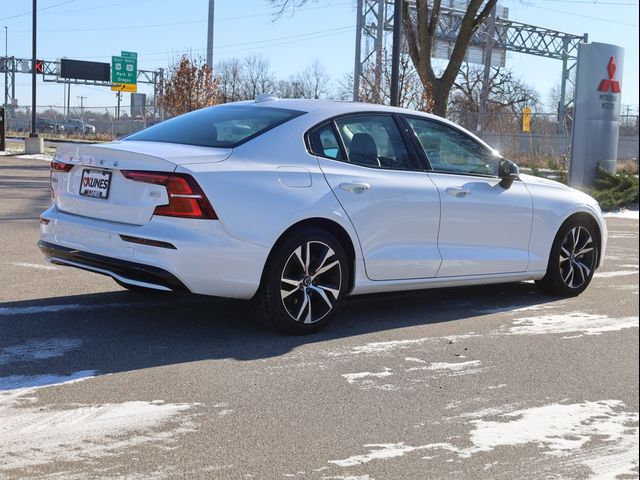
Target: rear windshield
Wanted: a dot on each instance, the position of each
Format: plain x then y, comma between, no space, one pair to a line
222,126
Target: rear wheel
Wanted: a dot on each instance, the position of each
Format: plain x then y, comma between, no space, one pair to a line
573,259
304,282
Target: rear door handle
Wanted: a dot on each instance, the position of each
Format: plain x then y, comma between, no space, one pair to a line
458,191
355,187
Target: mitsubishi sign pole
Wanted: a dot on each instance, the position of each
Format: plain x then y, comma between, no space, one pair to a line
596,121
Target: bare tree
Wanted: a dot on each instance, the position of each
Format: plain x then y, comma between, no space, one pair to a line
189,85
229,74
421,27
507,95
375,88
313,81
257,77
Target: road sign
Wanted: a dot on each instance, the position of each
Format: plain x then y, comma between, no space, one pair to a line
124,87
526,119
124,72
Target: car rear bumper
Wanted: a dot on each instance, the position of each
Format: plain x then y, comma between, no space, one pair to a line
167,253
123,270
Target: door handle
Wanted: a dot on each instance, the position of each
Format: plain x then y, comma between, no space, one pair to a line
459,192
355,187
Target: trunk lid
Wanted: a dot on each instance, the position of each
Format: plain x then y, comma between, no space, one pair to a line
95,186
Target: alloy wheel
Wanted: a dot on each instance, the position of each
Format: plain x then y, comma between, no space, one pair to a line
577,257
310,282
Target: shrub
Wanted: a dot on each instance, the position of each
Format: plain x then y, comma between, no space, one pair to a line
615,191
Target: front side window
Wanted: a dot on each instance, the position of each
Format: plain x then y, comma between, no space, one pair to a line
375,141
452,151
224,126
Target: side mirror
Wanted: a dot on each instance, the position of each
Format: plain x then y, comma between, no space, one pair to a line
508,172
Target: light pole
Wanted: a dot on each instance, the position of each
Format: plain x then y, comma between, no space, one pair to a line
33,71
210,34
6,67
395,55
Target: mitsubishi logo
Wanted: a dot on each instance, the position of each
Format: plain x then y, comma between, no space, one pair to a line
610,84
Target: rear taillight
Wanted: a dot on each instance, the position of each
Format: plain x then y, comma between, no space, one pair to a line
57,166
60,167
186,198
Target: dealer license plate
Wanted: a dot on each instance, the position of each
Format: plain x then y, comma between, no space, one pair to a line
95,183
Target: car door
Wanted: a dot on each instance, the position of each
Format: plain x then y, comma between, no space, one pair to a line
484,228
386,193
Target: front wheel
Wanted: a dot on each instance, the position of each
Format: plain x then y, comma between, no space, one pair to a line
573,259
303,283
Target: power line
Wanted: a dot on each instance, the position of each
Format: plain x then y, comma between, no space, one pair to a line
255,44
171,24
593,2
573,14
39,10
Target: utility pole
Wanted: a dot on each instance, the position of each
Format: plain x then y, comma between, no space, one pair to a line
81,107
34,143
395,58
68,101
33,69
488,52
210,35
6,68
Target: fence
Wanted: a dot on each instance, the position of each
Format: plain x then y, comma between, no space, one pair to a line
548,143
108,124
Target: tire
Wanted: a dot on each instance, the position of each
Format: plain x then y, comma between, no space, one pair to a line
303,283
573,259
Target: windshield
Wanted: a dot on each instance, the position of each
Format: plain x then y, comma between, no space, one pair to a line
225,126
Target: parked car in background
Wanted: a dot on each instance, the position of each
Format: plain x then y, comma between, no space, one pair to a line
298,203
78,126
49,125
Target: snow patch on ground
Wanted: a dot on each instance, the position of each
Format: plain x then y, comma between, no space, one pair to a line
454,367
14,382
451,369
633,214
38,349
37,266
584,323
32,437
618,273
68,307
379,347
355,377
37,156
377,451
513,309
349,477
599,435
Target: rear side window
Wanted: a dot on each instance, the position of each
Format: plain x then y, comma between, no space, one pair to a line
223,126
375,141
323,142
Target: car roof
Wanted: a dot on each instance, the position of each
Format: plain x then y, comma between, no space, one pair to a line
332,108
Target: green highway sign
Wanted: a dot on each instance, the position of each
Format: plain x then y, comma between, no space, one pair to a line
124,71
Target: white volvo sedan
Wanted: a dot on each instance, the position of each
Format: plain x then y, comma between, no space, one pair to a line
296,204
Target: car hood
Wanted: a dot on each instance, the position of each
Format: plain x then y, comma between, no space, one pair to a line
533,180
539,184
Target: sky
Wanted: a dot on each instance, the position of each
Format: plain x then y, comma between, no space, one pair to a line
161,30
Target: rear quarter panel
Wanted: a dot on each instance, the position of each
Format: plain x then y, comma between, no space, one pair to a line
267,185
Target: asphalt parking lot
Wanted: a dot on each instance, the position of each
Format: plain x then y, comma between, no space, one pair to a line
499,382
